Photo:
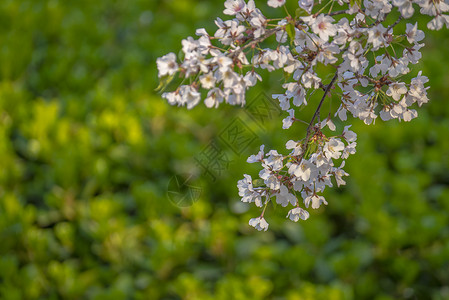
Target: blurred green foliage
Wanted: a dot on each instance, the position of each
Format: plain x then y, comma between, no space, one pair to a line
87,150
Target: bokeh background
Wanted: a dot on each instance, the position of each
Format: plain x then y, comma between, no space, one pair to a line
89,150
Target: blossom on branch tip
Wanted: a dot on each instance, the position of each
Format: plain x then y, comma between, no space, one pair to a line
285,197
233,7
322,26
276,3
307,5
413,34
257,157
333,148
259,223
315,200
298,213
288,121
396,90
167,64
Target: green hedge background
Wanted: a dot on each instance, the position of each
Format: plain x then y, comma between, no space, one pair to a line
88,149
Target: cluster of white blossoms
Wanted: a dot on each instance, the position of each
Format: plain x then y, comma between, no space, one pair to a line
305,171
351,40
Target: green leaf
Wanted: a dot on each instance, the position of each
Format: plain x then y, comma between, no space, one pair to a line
258,183
164,82
273,202
290,29
300,12
399,38
352,2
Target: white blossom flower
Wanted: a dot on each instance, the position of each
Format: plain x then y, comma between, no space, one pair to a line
233,7
405,7
284,101
297,149
381,67
189,96
281,35
259,223
413,34
396,90
412,54
259,23
322,26
345,32
247,192
417,92
348,135
355,61
341,113
307,5
167,65
328,122
284,197
385,114
270,179
248,11
288,121
322,181
298,213
274,160
376,36
398,67
326,54
214,98
320,160
207,80
233,33
309,79
438,22
296,92
333,148
339,173
276,3
256,157
251,78
349,149
172,97
433,8
302,171
315,200
201,32
377,8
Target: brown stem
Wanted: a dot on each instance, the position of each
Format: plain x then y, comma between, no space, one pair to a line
339,12
395,23
317,112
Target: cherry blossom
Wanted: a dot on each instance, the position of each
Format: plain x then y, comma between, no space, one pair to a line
298,213
259,223
276,3
167,65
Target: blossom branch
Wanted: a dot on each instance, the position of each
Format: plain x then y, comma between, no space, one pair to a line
318,109
369,89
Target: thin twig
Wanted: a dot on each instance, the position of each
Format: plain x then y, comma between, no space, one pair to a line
395,23
317,112
339,12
